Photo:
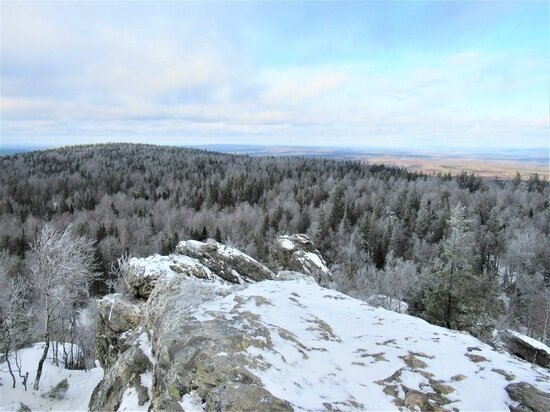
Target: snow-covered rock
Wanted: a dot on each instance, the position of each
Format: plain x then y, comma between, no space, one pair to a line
525,347
127,382
210,261
298,253
290,344
226,262
529,398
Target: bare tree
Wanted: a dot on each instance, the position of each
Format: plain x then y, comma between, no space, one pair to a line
61,265
13,320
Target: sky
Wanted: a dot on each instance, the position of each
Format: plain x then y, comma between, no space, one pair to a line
394,74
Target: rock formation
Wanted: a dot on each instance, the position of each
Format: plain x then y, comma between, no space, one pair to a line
298,253
525,347
209,328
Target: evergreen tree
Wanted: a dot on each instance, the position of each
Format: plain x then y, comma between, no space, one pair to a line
454,295
204,234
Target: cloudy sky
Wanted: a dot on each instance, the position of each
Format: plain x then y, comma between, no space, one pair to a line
391,74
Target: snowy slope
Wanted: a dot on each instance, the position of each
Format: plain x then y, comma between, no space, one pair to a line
330,350
81,385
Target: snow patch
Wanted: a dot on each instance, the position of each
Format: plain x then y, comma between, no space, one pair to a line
191,402
286,243
81,384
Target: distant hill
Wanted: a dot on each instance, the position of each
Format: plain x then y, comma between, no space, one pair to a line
504,163
8,149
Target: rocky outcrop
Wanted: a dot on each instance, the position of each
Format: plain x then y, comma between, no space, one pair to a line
228,263
529,398
118,314
206,353
298,253
187,358
525,347
127,375
210,261
198,332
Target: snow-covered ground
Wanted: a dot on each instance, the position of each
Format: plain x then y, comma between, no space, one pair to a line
81,385
324,350
330,349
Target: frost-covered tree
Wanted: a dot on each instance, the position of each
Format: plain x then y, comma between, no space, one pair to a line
61,266
453,294
133,198
13,321
396,281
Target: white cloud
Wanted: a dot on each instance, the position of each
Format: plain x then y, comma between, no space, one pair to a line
297,85
125,81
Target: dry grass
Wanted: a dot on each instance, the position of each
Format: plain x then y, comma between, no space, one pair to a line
482,167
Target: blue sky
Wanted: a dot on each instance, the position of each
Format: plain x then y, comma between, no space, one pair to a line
392,74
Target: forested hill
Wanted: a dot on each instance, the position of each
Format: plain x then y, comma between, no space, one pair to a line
461,251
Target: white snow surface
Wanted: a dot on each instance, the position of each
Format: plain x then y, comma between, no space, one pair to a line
533,342
191,402
316,260
157,266
286,243
328,348
81,384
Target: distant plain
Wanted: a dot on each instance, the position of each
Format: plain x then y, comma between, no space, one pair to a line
499,163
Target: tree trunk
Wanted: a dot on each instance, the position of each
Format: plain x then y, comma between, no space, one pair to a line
46,346
41,363
7,354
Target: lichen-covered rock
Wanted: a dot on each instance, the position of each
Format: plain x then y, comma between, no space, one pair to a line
140,274
239,397
209,261
529,397
206,353
118,314
128,372
525,347
231,264
298,253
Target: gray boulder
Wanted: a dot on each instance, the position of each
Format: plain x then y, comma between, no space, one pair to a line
186,350
206,355
118,314
298,253
126,373
525,347
529,398
141,274
209,261
228,263
239,397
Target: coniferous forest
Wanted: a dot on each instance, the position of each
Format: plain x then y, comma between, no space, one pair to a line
462,251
